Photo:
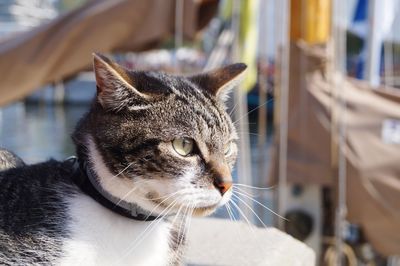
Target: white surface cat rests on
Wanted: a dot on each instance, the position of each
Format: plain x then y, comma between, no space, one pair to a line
222,242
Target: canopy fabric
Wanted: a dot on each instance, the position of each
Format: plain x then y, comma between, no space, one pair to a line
62,48
372,156
309,138
372,147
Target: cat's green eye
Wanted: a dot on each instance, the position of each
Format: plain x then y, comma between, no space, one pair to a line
228,149
183,146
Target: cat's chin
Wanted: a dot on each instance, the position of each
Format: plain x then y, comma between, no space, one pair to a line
204,211
208,210
201,207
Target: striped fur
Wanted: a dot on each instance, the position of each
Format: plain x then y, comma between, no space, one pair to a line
126,139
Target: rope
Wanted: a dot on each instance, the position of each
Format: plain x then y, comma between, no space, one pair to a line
284,39
178,37
331,256
244,160
339,120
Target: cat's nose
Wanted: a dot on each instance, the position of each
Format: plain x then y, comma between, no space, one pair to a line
221,175
222,186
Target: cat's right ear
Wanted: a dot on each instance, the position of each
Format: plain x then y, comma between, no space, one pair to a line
219,82
115,87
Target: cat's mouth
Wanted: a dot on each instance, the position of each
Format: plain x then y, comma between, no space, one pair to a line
204,211
194,201
200,209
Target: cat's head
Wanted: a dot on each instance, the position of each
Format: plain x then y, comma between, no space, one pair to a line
159,140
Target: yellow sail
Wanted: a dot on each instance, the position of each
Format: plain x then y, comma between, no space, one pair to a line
310,20
247,37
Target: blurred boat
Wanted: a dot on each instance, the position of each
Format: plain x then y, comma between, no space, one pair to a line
371,149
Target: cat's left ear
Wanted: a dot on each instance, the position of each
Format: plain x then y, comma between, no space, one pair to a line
219,82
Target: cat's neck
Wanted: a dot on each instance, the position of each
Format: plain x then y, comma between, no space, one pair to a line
99,236
86,179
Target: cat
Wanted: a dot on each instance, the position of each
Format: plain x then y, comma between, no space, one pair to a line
9,160
153,150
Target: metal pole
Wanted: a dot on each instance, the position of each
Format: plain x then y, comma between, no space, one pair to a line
388,53
262,124
373,55
283,106
262,133
339,120
1,125
178,37
244,160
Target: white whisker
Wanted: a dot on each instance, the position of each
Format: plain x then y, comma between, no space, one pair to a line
253,187
167,198
229,209
122,171
233,109
251,209
261,105
257,193
190,216
259,203
182,227
243,215
147,230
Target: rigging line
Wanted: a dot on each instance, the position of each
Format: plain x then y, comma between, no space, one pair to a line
178,36
388,52
244,161
284,40
339,67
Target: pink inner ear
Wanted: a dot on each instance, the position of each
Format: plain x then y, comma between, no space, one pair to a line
108,73
115,88
100,79
101,65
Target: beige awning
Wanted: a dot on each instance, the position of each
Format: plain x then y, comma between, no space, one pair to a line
372,156
64,47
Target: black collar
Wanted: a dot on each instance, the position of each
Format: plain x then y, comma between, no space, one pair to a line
84,178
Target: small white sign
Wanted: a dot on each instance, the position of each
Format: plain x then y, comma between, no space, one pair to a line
391,131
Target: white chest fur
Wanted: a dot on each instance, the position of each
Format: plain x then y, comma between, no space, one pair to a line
101,237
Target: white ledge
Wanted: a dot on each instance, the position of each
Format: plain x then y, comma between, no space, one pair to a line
221,242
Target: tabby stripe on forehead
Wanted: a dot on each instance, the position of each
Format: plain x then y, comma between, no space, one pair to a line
206,117
183,99
223,117
194,90
199,111
203,96
216,114
219,115
208,101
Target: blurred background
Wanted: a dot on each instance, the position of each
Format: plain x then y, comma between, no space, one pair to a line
318,113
